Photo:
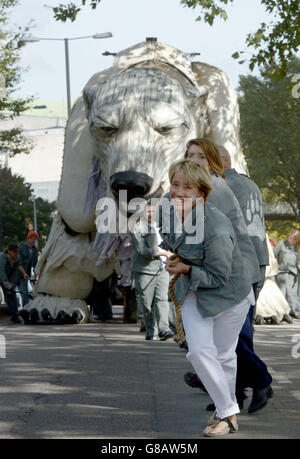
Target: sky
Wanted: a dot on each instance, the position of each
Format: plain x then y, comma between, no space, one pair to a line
130,22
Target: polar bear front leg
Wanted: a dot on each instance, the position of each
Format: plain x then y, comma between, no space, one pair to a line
60,297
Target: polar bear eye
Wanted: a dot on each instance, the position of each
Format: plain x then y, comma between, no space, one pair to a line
164,129
106,130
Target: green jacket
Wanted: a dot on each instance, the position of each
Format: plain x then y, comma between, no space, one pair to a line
8,269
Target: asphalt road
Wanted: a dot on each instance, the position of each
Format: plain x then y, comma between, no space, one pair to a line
104,381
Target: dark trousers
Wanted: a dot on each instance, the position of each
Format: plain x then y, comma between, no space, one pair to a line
11,301
100,299
251,370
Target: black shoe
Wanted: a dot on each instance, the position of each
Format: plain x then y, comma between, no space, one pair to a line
142,328
287,318
275,320
15,319
183,345
260,399
192,380
25,316
211,407
166,334
106,318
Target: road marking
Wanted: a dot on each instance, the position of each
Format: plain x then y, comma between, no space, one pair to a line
280,377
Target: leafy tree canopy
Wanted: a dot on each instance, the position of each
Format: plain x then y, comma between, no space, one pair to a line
11,140
270,135
273,44
17,210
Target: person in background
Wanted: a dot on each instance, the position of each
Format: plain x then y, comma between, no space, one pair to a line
151,278
28,255
9,268
251,370
287,253
271,303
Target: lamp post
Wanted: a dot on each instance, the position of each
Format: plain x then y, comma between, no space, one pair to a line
1,226
4,165
32,198
32,39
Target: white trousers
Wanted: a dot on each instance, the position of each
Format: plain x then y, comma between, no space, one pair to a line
212,342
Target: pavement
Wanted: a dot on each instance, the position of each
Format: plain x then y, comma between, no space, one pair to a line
104,381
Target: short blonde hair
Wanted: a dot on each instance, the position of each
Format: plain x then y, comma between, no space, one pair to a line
194,173
212,154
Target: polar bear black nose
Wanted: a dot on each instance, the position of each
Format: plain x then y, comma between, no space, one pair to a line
137,184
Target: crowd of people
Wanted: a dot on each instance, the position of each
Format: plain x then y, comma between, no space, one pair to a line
223,270
218,281
17,268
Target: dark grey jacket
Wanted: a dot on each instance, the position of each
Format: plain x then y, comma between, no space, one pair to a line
218,275
8,268
250,200
28,260
224,199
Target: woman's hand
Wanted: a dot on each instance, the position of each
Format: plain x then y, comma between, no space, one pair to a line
179,268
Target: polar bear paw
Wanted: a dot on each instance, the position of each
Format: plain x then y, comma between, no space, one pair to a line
51,309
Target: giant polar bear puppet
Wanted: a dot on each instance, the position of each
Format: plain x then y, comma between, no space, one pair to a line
126,128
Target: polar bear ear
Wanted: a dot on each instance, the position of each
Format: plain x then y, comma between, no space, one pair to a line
197,103
89,95
198,97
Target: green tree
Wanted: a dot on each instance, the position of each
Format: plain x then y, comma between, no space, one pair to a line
11,140
272,44
270,135
17,210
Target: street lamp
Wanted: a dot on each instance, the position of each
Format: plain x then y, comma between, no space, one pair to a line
96,36
4,165
108,53
32,198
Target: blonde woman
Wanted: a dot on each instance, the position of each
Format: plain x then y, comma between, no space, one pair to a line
213,291
252,371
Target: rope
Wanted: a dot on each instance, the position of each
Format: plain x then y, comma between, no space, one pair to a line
174,260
